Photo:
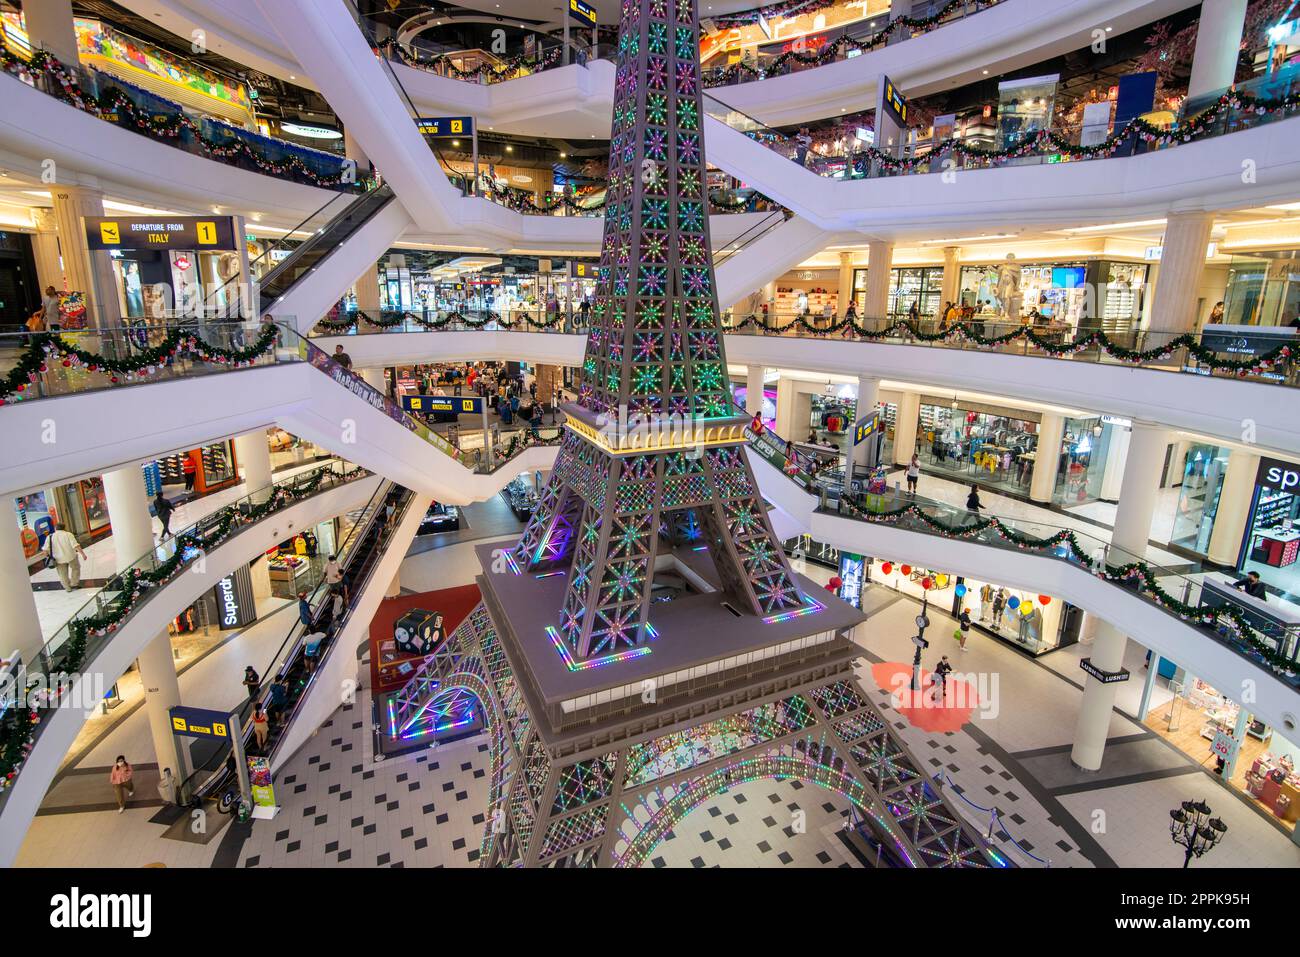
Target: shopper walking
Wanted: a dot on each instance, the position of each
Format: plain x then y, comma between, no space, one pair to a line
964,630
65,552
913,473
50,308
163,509
252,682
941,672
190,470
167,787
973,500
120,777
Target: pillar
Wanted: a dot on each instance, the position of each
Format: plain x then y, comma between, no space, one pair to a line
49,26
254,454
793,410
354,151
1233,510
1218,42
1112,476
950,286
909,415
868,396
162,692
22,621
1182,261
260,573
128,512
754,389
85,271
45,249
876,304
844,294
1137,502
1047,458
366,288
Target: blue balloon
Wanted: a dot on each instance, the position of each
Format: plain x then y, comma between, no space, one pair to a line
960,590
1013,602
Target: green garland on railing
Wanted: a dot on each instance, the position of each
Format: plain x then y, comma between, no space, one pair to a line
114,101
832,51
135,582
1140,574
1097,339
494,73
47,347
17,740
390,320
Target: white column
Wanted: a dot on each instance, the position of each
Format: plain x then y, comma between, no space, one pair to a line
254,454
86,271
844,294
754,389
162,692
950,287
868,395
1182,261
1218,42
128,512
354,151
45,249
260,573
22,621
1137,501
1234,507
367,292
49,26
1047,457
876,293
793,410
909,414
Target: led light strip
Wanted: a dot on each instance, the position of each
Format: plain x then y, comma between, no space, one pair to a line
810,609
573,665
514,566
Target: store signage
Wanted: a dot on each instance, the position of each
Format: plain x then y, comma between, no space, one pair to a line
894,103
234,597
461,405
442,126
259,780
172,232
1223,745
1153,253
1105,677
852,573
582,270
1245,340
867,426
583,13
1117,421
200,722
1278,475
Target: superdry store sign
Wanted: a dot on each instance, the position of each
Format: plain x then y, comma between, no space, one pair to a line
1279,476
170,232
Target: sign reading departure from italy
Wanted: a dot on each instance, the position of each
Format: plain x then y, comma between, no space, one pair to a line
582,12
443,126
168,232
461,405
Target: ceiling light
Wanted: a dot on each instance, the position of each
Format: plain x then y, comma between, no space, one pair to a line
967,239
1280,206
138,210
509,149
1133,225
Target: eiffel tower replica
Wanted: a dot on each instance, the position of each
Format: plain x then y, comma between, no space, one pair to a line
646,645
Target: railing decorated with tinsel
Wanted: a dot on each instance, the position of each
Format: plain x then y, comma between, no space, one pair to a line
573,205
508,69
64,84
1133,573
87,632
46,350
840,48
1274,359
438,322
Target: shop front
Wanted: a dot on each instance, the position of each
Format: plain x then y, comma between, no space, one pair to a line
1068,295
297,564
1271,545
1263,289
975,442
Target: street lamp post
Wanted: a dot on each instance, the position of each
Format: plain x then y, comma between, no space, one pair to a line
919,640
1191,827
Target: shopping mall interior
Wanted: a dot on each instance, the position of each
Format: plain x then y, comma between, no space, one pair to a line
657,433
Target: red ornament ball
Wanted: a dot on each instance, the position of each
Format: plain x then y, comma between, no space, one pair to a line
906,569
1044,599
926,583
887,567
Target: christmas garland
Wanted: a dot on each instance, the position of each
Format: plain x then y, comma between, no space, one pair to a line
113,101
1137,575
1049,142
47,347
134,584
835,50
1096,339
493,73
348,320
522,202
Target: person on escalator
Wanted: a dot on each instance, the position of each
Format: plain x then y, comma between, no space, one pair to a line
261,727
802,143
276,696
311,650
304,609
337,606
252,682
342,358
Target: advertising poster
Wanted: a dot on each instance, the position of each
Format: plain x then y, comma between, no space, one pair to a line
259,781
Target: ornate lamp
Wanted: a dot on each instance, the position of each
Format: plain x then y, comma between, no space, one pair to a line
1191,827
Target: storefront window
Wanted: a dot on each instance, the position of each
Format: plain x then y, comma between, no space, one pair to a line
1272,543
915,286
978,444
1198,498
1057,291
1263,289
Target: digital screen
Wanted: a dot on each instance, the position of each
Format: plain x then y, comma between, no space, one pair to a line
1068,277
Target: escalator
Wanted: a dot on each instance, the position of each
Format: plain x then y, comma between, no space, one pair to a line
290,668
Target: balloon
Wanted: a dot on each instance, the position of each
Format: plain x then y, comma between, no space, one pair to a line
1027,608
926,583
835,582
886,567
1044,599
960,590
906,569
941,580
1013,602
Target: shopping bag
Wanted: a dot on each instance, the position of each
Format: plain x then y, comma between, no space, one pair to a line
957,634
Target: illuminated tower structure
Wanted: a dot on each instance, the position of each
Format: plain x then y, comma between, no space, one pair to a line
646,646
